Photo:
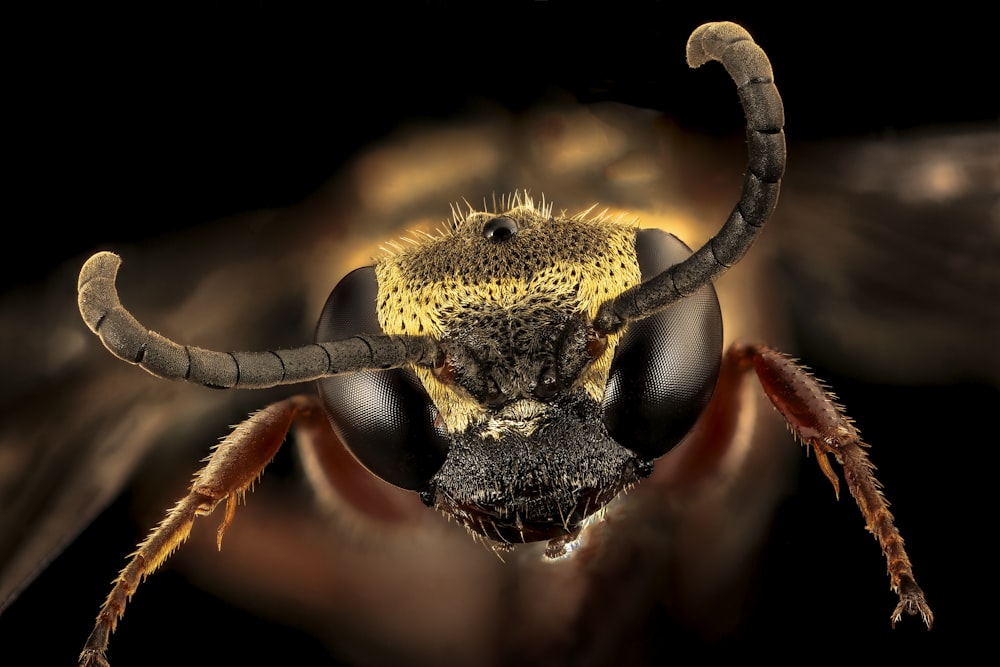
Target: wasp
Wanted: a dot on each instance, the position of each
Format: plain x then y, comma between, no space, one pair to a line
523,372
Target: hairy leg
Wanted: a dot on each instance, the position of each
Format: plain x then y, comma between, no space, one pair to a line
233,467
817,420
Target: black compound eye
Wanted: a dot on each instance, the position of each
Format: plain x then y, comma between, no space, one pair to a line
665,367
499,229
385,418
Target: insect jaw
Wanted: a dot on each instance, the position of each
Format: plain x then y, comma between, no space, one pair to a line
514,487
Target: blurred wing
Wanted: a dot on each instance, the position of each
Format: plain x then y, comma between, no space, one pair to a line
890,255
75,422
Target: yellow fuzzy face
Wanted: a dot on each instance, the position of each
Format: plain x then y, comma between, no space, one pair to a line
505,298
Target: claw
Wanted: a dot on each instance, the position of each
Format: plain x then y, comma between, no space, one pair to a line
913,604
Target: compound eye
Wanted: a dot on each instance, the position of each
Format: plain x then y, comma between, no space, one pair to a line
665,367
499,229
385,418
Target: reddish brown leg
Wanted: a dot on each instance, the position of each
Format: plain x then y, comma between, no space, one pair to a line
232,469
817,420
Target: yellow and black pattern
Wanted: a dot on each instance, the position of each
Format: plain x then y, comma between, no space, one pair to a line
505,297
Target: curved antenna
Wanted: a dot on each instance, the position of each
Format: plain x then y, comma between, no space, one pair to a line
130,341
749,67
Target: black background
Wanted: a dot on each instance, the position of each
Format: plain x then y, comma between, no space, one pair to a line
124,124
191,117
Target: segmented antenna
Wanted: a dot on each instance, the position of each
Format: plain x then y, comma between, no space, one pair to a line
749,67
130,341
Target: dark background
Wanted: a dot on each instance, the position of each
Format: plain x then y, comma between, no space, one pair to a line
123,125
191,117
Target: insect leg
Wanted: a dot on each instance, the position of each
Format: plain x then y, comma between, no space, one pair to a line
816,419
230,471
